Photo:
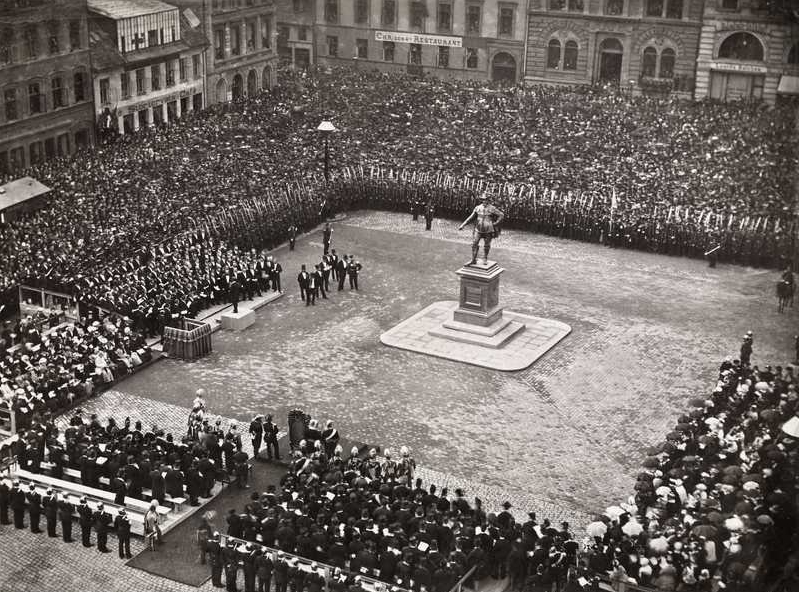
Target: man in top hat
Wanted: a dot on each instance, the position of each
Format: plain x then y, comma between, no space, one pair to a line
85,517
65,510
270,438
257,434
102,521
487,219
50,505
17,504
122,526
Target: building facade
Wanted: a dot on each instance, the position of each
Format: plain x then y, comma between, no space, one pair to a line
749,49
477,39
243,57
45,81
646,46
148,63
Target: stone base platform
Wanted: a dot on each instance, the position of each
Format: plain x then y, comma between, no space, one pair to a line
517,343
238,320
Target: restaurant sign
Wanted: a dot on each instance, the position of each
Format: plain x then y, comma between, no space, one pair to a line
738,67
419,38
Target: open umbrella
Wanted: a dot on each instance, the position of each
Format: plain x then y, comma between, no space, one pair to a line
682,427
791,427
697,402
770,415
751,486
729,479
674,436
704,530
715,518
734,524
596,529
663,490
613,512
756,477
734,470
632,528
765,520
743,507
651,462
659,545
696,413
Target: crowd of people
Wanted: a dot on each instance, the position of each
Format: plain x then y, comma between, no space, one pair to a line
669,168
715,503
371,517
48,372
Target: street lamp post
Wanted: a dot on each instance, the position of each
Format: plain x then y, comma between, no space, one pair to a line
326,128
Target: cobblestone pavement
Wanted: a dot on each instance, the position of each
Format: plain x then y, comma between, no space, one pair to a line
564,437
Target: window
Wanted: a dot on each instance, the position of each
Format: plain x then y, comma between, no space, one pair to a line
79,86
31,41
505,21
361,11
140,90
219,44
63,144
614,7
667,59
570,5
59,92
570,55
415,54
664,8
741,46
473,19
52,37
331,11
388,51
10,102
124,84
74,35
251,36
152,37
266,31
35,102
418,14
389,14
183,65
444,16
443,56
170,73
793,55
161,36
362,48
235,39
302,33
649,62
553,54
17,158
155,77
6,43
36,153
300,5
471,58
105,85
195,65
729,4
332,46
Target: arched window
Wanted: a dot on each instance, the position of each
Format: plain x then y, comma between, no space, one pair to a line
793,55
553,54
742,46
570,56
667,58
649,63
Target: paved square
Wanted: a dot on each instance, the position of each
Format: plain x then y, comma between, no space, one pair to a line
428,332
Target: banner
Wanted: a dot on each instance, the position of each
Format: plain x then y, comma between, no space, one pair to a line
421,39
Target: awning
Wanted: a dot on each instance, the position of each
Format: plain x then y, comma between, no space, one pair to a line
789,85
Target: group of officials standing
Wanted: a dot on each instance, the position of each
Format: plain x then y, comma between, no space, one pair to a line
316,283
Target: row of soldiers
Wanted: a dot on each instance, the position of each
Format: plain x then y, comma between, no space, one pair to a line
56,507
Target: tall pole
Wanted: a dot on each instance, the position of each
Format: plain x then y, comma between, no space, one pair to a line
327,160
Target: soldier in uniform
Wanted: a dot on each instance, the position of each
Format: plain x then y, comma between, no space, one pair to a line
34,508
214,550
50,504
487,219
5,499
122,526
352,270
17,504
65,510
256,433
428,215
85,516
102,521
270,438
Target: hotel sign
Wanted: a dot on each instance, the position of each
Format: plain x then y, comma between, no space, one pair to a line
737,67
421,39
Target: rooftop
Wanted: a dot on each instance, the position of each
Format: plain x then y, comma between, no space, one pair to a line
20,190
122,9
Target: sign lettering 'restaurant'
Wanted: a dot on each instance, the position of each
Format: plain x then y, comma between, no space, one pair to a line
738,67
399,37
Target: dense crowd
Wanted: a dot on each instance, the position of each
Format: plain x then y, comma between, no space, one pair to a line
47,372
369,516
661,161
716,501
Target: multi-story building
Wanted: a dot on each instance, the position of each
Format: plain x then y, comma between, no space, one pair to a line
641,45
148,63
45,81
749,49
243,58
480,39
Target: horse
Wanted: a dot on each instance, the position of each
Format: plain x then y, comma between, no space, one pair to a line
785,291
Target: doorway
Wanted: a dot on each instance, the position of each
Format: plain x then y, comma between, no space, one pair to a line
611,53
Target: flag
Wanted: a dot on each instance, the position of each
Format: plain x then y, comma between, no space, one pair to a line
614,202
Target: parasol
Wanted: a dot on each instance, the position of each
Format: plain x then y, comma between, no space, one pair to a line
632,528
704,530
596,529
613,512
791,427
734,524
659,545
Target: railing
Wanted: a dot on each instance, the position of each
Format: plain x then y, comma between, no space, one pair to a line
458,587
8,422
368,583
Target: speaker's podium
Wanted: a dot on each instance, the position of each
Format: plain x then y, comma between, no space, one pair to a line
189,340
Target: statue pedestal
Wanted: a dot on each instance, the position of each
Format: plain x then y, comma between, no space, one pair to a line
479,294
237,321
